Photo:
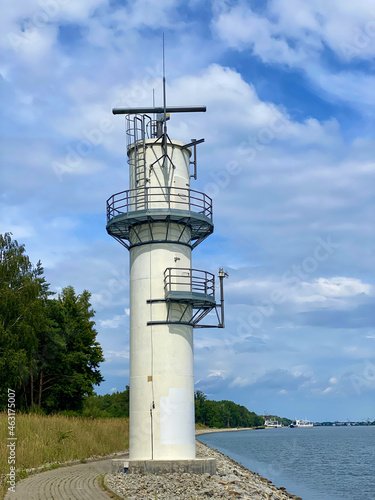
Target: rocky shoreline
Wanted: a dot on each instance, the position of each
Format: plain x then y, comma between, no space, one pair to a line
232,481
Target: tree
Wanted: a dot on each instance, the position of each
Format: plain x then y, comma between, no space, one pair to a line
48,350
224,413
114,405
23,291
73,368
199,399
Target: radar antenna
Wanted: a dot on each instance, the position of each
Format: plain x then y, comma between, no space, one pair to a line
164,110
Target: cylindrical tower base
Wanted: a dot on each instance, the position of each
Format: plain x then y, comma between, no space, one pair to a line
161,357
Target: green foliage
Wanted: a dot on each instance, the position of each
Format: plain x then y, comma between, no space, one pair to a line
48,350
61,435
73,355
222,414
114,405
23,293
219,414
22,474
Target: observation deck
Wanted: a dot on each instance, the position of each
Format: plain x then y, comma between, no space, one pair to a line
147,205
192,288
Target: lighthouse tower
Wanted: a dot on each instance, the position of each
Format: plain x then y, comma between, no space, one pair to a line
160,220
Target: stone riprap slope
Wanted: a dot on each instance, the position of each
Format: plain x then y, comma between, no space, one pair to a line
232,481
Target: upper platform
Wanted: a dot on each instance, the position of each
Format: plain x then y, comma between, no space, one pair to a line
128,209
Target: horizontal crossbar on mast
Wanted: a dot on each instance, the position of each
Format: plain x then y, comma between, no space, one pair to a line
169,109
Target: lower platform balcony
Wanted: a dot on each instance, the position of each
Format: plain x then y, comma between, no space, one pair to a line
189,295
190,286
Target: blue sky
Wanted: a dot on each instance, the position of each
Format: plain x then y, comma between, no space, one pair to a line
288,160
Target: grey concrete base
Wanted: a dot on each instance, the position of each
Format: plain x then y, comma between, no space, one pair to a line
196,466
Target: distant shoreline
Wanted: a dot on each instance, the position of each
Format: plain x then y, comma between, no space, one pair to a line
209,430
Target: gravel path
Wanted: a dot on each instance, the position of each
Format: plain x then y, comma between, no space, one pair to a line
75,482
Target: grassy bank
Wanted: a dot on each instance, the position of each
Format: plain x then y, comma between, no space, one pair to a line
50,439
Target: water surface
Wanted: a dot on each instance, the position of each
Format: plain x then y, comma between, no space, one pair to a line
321,463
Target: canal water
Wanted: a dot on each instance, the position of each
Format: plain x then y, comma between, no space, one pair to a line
320,463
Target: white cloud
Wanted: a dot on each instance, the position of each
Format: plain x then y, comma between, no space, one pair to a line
240,382
256,126
340,286
263,294
333,293
291,30
114,322
296,33
327,390
110,355
148,13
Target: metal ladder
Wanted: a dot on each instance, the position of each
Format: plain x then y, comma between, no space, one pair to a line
139,139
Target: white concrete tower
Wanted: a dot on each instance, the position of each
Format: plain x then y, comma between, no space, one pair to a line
160,220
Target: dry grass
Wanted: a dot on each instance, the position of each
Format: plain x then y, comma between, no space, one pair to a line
200,427
49,439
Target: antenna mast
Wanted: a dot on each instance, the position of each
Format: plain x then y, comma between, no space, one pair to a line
165,110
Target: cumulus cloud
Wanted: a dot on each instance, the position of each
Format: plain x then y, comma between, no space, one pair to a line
281,380
296,33
212,382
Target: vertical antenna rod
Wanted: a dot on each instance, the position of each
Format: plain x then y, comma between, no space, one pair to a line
164,92
165,110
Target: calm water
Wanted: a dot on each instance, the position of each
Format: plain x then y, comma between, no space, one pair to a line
322,463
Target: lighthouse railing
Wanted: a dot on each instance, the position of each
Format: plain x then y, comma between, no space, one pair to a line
189,280
159,198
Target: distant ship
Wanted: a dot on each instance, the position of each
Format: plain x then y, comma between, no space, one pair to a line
304,424
272,424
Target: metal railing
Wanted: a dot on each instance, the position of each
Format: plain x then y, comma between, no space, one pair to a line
189,280
163,198
140,127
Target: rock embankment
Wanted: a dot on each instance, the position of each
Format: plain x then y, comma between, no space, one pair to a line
232,481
